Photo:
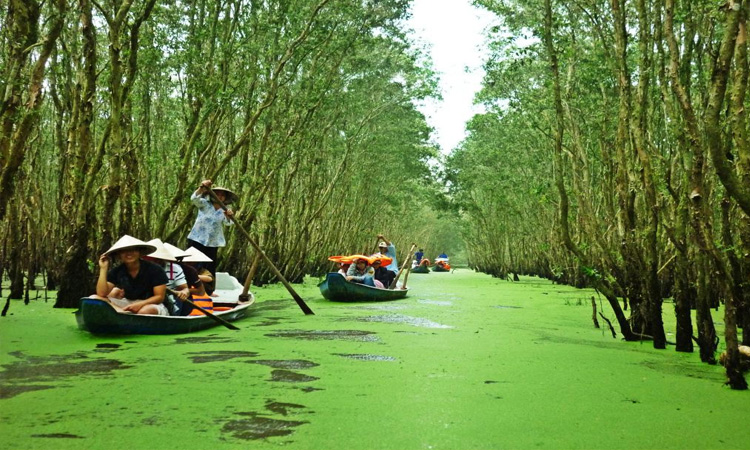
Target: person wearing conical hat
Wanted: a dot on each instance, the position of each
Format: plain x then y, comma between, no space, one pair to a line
177,281
143,284
193,259
207,234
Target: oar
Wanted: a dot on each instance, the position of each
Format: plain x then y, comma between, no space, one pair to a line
301,303
403,266
205,311
408,271
245,297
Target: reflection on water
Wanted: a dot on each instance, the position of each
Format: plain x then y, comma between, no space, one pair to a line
398,318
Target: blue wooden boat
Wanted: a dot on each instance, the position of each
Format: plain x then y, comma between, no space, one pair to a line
99,317
337,289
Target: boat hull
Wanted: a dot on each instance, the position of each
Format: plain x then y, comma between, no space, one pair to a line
439,268
420,269
99,317
337,289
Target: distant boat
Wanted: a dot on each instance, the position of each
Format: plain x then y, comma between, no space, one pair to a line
441,265
99,317
337,289
420,269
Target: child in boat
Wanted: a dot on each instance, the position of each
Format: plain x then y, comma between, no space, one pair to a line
361,272
143,284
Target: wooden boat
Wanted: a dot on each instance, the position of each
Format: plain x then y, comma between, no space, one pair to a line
439,268
99,317
420,269
337,289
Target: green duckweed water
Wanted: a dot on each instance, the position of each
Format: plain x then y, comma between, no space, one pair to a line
465,362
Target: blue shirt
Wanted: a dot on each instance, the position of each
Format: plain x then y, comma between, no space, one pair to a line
209,226
391,252
418,256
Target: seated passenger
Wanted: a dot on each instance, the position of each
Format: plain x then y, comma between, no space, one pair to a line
198,292
143,284
177,288
361,272
377,266
383,276
195,257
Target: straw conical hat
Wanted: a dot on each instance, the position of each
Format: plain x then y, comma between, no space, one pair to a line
129,242
161,251
176,251
231,197
196,256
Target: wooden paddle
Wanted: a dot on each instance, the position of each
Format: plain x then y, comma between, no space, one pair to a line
408,271
403,266
205,311
301,303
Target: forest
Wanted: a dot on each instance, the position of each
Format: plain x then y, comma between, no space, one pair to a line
613,151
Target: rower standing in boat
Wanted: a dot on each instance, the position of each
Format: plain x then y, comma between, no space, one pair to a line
143,284
207,234
388,249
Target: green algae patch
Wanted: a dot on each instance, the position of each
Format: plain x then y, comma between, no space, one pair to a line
466,361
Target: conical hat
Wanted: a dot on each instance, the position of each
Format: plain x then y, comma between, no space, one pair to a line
129,242
161,251
231,197
176,251
196,256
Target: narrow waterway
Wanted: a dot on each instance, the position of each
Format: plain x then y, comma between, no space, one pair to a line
464,362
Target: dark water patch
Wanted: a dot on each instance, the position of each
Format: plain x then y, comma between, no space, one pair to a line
296,364
365,357
435,302
490,382
131,342
54,367
308,389
408,320
282,408
506,307
704,372
203,339
21,376
287,376
254,427
105,345
58,436
321,335
11,390
216,356
270,321
272,305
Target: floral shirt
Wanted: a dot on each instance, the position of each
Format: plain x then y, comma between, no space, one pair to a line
360,275
208,228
